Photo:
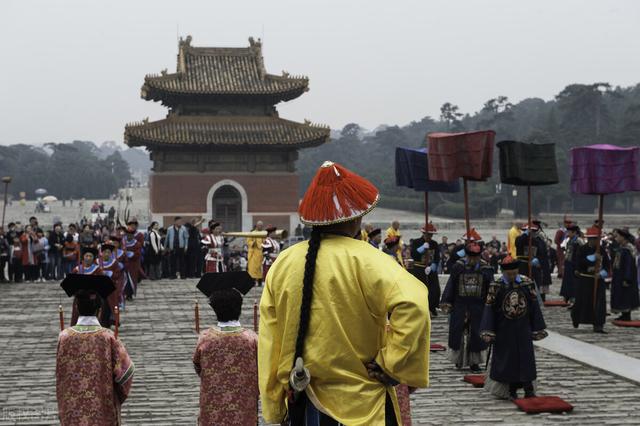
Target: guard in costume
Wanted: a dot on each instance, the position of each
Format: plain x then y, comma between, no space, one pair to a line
426,257
511,321
463,299
325,355
590,266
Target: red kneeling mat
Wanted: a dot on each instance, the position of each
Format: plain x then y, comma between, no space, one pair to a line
543,404
621,323
477,380
556,302
437,347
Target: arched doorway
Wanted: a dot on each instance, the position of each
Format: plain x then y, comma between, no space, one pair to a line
227,208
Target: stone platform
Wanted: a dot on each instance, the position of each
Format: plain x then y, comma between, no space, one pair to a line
158,331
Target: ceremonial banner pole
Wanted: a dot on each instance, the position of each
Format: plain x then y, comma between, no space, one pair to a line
197,315
600,226
466,207
61,316
255,316
529,229
600,170
426,208
467,155
528,164
116,312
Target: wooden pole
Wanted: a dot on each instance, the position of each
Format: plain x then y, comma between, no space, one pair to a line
197,315
426,209
61,316
116,312
255,316
600,226
466,207
6,181
530,232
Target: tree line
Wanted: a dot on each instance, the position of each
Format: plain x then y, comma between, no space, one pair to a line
66,170
581,114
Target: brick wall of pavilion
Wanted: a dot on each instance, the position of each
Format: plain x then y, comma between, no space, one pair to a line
272,198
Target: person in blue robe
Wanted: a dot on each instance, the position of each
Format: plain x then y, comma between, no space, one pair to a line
567,290
589,267
463,299
511,321
624,281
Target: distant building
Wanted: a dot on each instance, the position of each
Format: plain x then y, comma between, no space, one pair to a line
223,152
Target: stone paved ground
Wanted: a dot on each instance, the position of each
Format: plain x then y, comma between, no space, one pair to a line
158,332
619,339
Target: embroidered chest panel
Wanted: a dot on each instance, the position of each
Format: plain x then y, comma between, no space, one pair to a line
514,304
470,285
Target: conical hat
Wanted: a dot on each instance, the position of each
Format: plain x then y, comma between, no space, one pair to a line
336,195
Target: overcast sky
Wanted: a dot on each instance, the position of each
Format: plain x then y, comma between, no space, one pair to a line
73,69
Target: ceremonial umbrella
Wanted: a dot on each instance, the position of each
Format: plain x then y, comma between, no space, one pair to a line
412,171
467,155
49,199
41,191
601,170
529,165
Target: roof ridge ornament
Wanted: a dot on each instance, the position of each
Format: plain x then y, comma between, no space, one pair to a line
256,48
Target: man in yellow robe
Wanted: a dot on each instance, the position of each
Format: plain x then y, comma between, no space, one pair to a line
254,254
394,232
514,233
339,328
364,233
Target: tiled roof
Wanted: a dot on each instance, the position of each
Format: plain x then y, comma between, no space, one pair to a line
178,130
222,71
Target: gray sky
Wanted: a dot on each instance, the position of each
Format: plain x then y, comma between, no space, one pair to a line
73,69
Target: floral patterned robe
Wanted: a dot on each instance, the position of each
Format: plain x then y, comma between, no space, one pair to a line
227,363
93,376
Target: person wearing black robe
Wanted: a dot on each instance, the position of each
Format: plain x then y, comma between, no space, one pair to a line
539,258
624,284
585,310
567,290
512,320
426,257
463,299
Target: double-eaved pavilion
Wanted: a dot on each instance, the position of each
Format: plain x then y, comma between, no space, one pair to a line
223,152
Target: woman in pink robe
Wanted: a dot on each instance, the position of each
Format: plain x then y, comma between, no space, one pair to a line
226,359
93,370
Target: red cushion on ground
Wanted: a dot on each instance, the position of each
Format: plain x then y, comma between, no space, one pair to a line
436,347
621,323
477,380
543,404
557,302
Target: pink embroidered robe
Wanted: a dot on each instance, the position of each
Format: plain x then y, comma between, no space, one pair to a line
227,363
93,376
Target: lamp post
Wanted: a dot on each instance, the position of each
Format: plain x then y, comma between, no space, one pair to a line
6,180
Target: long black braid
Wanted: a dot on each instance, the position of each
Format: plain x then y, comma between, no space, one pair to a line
307,290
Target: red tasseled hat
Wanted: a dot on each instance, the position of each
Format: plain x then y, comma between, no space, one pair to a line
509,263
593,232
429,229
336,195
473,235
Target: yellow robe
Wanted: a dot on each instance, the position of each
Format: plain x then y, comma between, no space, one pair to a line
254,257
355,287
514,233
393,233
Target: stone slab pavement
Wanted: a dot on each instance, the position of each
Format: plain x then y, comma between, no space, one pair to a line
158,331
